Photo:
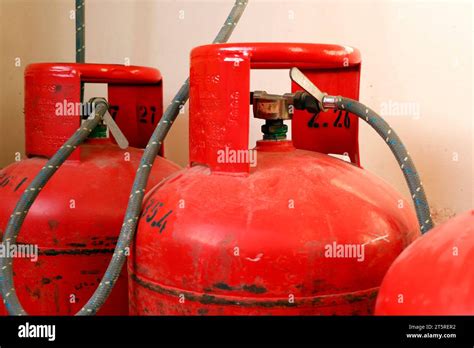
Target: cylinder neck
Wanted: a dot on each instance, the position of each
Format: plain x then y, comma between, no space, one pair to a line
274,130
275,146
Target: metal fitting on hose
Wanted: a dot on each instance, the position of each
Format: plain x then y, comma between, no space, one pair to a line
101,103
330,102
96,101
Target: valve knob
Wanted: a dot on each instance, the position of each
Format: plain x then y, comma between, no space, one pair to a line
114,129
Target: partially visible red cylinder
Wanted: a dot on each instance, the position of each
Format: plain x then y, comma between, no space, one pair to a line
75,223
76,219
434,275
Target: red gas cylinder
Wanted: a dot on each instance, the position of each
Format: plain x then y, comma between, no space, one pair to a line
435,275
287,230
76,219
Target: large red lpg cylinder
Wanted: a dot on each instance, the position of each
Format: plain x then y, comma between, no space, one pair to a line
434,275
294,232
76,218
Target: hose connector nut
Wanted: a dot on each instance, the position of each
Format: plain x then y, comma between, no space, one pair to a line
96,101
329,102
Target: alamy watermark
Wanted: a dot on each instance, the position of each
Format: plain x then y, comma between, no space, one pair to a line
67,108
353,251
27,251
228,155
28,330
399,108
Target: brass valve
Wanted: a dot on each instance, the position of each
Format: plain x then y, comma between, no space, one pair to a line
272,106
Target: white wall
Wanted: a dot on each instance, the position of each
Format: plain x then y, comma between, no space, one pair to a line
419,52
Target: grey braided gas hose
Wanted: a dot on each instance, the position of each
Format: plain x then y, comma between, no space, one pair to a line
81,36
398,149
80,32
132,214
28,197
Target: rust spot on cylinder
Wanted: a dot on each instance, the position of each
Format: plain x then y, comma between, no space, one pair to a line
212,299
53,224
253,288
351,298
77,245
223,286
203,311
55,252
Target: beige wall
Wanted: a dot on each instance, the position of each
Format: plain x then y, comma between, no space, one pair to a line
418,52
